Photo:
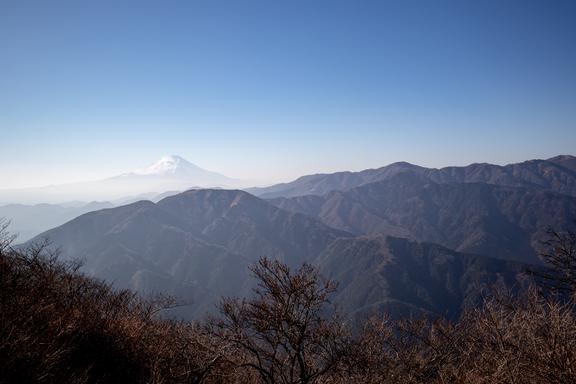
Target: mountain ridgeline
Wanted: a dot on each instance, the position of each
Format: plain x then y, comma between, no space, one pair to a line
402,239
556,174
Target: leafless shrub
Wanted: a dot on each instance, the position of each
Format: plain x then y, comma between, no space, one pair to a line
6,238
281,333
560,258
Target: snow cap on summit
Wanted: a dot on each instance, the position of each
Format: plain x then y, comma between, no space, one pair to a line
166,165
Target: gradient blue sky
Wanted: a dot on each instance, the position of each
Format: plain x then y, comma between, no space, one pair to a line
270,90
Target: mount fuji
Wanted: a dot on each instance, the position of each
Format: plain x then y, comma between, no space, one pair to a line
173,173
170,173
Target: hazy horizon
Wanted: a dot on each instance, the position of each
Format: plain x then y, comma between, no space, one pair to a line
268,92
259,183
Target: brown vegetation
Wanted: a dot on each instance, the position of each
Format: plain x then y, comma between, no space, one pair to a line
530,339
58,326
281,333
560,258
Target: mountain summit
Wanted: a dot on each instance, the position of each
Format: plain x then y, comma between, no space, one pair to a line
170,165
170,173
176,168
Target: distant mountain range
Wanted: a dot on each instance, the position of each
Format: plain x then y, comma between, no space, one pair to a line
556,174
403,239
27,221
170,173
493,220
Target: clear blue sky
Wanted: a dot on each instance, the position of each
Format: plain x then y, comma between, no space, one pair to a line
269,90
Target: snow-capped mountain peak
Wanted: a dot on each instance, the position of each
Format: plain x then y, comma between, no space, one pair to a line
166,165
177,173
